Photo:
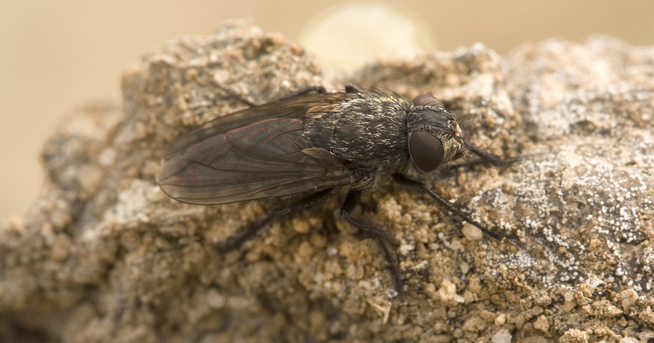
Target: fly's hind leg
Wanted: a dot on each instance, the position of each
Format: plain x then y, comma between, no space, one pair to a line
351,201
241,98
312,199
307,90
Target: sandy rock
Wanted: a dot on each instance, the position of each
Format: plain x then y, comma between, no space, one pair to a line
104,256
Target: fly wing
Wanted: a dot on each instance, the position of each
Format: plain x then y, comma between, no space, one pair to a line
266,158
293,107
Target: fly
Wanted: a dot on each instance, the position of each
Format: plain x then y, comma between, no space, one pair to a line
310,144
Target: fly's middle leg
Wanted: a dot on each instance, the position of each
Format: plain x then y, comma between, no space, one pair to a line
312,199
351,201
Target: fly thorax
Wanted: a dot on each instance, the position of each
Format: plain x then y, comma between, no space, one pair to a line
367,134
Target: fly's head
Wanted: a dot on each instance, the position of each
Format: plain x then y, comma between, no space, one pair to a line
434,134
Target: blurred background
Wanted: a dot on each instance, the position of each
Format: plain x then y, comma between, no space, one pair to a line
59,55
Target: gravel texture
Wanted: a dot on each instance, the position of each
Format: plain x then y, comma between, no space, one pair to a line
105,256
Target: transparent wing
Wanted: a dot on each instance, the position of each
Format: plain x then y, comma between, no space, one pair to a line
265,158
294,107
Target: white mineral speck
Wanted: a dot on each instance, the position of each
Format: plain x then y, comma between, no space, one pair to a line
471,232
502,336
215,300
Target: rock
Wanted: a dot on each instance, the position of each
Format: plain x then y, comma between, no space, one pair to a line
104,256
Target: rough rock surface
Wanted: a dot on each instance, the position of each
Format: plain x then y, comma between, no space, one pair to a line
105,256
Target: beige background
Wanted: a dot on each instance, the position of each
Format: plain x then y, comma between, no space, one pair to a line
59,55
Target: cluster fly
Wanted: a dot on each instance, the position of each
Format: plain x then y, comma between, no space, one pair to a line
308,145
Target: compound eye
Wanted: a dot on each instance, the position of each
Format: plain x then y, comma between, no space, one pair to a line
426,150
427,99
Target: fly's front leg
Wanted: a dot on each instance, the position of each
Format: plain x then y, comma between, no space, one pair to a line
312,199
351,201
486,156
415,185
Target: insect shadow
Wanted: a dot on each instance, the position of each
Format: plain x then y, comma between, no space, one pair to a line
308,145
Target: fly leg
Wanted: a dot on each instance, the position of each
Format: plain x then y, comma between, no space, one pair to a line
307,90
303,91
312,199
321,90
233,94
351,201
353,89
411,184
486,156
